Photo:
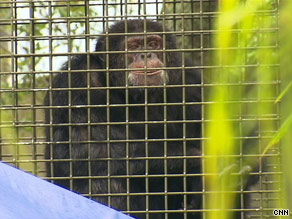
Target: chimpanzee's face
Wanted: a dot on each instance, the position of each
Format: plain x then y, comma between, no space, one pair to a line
145,57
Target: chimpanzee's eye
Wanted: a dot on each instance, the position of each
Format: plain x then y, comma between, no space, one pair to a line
153,45
133,46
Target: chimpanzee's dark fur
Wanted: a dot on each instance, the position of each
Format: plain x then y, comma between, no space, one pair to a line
117,149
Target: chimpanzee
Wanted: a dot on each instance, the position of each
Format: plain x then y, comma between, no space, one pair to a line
124,123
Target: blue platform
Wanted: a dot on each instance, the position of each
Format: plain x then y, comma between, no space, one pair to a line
24,196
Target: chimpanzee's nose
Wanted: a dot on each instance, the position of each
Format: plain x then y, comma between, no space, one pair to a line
149,55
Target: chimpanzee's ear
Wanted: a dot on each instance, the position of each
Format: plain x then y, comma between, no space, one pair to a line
100,47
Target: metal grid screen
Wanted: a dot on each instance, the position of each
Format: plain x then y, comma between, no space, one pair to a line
88,142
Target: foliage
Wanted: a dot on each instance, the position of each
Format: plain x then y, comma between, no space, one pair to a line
286,104
246,78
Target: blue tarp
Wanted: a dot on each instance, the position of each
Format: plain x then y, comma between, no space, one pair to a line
24,196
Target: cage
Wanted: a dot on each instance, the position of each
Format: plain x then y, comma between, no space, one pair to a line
105,136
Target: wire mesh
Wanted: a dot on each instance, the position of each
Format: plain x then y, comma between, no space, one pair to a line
38,37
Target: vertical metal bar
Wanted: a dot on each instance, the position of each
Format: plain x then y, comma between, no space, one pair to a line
68,22
127,111
240,132
261,136
50,89
184,113
146,120
88,64
203,178
165,151
105,11
33,63
15,86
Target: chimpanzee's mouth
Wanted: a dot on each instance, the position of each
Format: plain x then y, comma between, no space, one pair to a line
147,73
148,78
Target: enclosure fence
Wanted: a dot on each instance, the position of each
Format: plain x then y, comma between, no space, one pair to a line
38,37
